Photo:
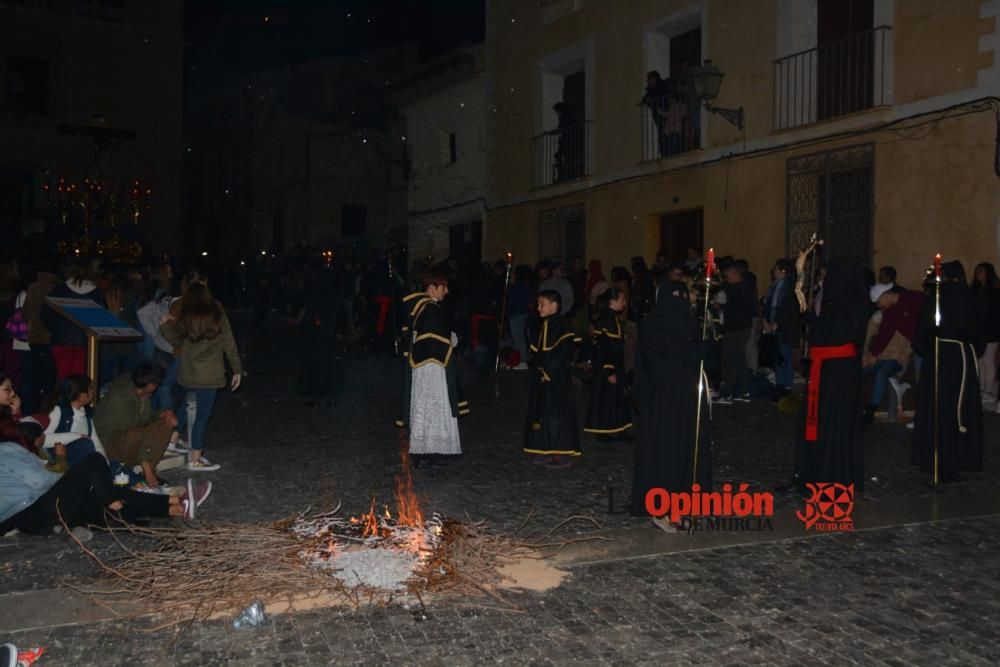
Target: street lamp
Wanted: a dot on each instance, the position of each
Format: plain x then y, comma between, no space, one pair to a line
706,81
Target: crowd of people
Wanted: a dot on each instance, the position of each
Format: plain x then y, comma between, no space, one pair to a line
67,464
658,346
640,339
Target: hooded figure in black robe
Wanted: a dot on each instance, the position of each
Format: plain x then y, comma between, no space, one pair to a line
959,406
609,413
667,395
552,428
828,438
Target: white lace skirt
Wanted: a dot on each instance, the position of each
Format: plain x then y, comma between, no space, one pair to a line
433,429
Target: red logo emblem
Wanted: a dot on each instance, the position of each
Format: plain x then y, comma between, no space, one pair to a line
829,507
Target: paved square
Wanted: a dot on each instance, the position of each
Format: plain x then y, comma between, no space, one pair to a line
927,593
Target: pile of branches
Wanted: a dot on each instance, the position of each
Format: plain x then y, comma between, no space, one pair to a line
195,573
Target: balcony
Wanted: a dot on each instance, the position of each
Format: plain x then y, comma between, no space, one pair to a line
670,124
562,155
834,79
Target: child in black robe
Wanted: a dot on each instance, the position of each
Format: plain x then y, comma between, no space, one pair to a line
961,342
608,415
552,429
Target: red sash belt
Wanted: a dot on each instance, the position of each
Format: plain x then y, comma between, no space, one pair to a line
383,311
817,356
474,327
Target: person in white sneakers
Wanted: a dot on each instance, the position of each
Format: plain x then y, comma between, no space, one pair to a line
201,331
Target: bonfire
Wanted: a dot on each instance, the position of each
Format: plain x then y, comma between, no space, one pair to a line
309,560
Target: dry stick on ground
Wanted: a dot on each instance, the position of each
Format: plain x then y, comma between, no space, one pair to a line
234,561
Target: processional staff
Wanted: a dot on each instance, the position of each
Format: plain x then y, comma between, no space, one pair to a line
509,258
702,388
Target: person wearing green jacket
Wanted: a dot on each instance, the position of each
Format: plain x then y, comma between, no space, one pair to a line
202,333
132,432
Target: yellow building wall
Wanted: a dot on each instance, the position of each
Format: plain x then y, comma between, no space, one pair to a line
935,194
937,47
936,52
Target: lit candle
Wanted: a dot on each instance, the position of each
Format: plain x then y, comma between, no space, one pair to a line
937,265
709,263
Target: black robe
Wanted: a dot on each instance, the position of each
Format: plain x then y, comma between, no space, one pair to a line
667,366
552,428
608,412
959,401
837,453
428,340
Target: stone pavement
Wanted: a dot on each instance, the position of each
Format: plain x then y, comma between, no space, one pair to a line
903,594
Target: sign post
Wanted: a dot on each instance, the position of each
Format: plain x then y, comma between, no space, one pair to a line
98,323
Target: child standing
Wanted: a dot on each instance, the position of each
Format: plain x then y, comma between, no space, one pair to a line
205,338
608,415
552,430
431,404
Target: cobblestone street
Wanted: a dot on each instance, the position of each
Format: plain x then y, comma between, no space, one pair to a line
910,593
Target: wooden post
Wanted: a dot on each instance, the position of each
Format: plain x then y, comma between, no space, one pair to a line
93,367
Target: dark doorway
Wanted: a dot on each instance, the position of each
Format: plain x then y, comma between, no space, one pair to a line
680,231
685,52
278,231
845,57
575,95
465,242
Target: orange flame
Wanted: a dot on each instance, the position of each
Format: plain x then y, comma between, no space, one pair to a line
407,506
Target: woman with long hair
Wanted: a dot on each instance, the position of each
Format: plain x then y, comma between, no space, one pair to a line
10,402
202,332
70,431
986,290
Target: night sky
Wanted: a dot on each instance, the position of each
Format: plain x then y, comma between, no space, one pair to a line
228,38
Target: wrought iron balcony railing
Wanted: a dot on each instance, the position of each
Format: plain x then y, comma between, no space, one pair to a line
671,124
562,155
831,80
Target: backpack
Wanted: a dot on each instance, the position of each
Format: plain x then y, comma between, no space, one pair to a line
16,325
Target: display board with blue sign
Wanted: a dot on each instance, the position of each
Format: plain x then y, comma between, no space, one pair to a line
94,319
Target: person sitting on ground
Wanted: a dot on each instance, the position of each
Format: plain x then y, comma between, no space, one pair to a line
38,502
133,433
10,402
70,421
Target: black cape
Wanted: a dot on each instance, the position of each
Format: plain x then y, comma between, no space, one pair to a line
837,454
428,341
666,388
608,412
959,401
552,428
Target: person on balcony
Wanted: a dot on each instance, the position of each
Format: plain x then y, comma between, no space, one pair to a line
569,148
657,100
